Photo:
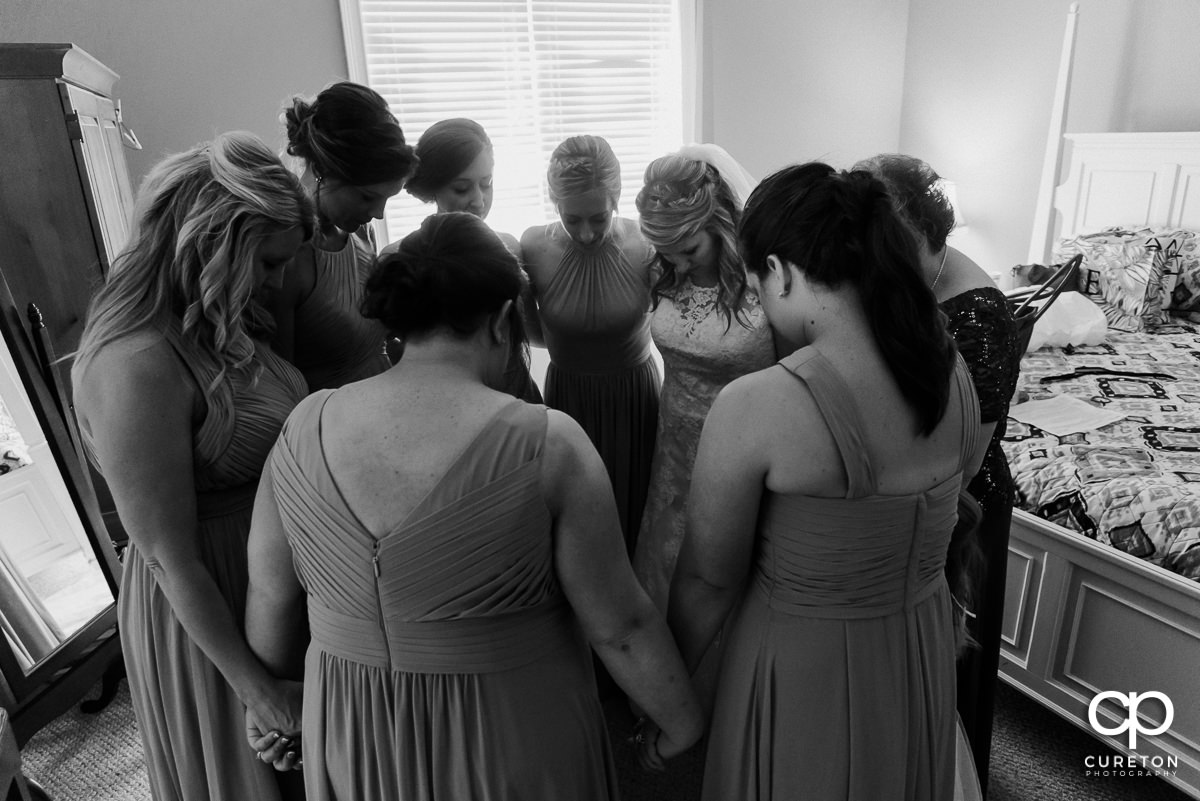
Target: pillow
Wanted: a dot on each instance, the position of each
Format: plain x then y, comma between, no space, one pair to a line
1179,253
1123,275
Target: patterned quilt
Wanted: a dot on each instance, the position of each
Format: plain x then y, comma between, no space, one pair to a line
1134,484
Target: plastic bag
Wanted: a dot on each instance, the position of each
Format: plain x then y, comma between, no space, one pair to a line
1071,320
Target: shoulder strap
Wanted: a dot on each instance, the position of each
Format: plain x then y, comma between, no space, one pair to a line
969,402
841,415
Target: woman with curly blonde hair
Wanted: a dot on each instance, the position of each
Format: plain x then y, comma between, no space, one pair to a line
708,327
179,401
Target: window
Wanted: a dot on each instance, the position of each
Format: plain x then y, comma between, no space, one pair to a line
532,72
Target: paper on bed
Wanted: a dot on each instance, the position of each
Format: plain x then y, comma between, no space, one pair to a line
1063,415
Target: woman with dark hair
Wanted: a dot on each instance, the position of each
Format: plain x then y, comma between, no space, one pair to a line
984,331
179,401
354,158
707,326
822,502
455,164
451,543
591,279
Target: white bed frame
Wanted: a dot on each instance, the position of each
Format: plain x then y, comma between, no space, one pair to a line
1082,618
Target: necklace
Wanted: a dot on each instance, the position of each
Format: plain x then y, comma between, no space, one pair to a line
942,266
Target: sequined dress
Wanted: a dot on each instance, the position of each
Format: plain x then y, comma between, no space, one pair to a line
702,352
983,329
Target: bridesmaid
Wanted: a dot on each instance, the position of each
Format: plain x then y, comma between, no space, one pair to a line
590,273
454,548
454,170
707,325
355,158
823,499
179,402
982,325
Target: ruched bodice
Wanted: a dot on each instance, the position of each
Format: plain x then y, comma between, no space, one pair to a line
334,343
843,647
595,307
824,557
191,721
423,638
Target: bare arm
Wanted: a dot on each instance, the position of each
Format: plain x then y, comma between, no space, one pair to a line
275,621
530,252
618,618
139,407
727,484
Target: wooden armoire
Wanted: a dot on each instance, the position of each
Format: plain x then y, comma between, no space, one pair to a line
65,207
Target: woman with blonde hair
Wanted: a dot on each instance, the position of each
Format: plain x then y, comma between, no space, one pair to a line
354,159
179,400
708,327
590,272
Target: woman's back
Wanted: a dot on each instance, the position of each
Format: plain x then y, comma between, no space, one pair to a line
803,454
440,634
846,618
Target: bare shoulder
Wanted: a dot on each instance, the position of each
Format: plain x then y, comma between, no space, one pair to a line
139,368
510,242
539,253
633,244
565,440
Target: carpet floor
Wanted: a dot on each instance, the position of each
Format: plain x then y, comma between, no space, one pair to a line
1036,756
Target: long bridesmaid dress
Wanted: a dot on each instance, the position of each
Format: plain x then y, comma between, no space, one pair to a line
445,662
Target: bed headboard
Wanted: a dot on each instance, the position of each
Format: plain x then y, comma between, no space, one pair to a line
1128,179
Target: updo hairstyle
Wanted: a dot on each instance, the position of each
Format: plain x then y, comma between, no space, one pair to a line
582,164
682,197
918,193
451,273
445,149
841,228
348,133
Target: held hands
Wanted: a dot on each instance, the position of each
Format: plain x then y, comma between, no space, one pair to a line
654,746
273,726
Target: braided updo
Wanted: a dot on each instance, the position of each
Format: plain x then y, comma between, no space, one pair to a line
583,164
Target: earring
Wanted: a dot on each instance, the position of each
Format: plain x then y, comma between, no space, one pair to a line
783,293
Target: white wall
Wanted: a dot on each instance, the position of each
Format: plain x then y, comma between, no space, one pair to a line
979,84
796,80
964,84
193,68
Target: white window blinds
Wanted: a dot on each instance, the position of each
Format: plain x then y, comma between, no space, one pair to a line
532,72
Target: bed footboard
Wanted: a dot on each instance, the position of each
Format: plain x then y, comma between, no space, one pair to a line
1082,618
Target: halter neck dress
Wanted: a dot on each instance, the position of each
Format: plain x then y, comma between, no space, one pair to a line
837,682
191,722
595,315
334,343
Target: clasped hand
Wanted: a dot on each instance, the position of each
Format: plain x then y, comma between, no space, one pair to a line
273,727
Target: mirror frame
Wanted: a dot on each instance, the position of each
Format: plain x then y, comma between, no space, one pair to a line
79,487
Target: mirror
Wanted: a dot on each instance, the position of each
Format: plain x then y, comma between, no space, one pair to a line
51,581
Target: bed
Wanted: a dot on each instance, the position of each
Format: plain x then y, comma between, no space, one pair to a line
1105,595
